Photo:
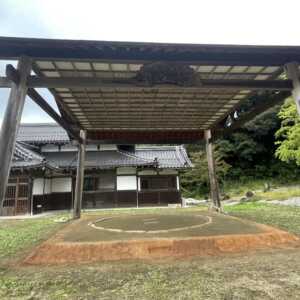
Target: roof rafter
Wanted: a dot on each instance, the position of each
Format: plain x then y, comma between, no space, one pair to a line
12,48
76,82
125,87
249,115
13,75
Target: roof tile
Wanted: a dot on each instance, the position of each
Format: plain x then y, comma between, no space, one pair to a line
37,134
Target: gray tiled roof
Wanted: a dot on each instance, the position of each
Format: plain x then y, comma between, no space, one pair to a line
167,156
162,157
97,159
36,134
24,157
42,134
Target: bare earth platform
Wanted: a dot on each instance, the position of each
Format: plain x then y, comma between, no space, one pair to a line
175,234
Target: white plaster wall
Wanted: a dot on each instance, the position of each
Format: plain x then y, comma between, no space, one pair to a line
61,185
54,185
91,147
38,186
49,148
126,171
68,147
108,147
139,184
126,183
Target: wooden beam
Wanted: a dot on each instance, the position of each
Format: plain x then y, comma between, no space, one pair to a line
292,71
137,52
83,82
214,186
79,176
43,104
11,123
259,108
62,107
14,76
145,136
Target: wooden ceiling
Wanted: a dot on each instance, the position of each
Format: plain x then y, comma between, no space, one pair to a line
95,86
161,107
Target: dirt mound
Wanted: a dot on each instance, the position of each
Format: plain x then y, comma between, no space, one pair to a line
57,252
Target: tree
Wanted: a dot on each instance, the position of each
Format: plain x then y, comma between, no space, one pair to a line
288,136
253,151
250,149
195,181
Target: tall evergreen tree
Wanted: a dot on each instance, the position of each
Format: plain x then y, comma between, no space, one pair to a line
288,136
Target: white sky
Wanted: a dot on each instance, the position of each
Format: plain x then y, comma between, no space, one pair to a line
261,22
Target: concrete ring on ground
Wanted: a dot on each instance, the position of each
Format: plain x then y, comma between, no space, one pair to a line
150,223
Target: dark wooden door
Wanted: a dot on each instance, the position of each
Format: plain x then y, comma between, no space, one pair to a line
17,197
22,199
9,203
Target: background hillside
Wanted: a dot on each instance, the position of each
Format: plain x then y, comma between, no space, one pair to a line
265,150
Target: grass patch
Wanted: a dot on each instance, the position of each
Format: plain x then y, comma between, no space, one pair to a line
280,194
234,188
278,189
17,236
239,188
284,217
260,275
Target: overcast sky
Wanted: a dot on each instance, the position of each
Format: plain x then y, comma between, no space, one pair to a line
260,22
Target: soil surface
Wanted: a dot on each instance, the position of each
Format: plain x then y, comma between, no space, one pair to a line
152,223
122,239
82,231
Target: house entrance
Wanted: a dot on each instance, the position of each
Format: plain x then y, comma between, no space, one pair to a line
16,200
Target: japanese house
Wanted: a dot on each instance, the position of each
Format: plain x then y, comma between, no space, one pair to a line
44,169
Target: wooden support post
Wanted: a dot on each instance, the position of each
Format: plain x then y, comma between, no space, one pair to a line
214,187
11,123
79,176
292,73
137,189
13,76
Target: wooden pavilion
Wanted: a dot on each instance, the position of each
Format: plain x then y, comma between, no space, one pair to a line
127,93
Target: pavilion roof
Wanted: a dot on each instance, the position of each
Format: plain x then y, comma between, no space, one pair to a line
96,84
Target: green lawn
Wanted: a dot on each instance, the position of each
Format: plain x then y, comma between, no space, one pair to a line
279,190
284,217
261,275
17,237
280,193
